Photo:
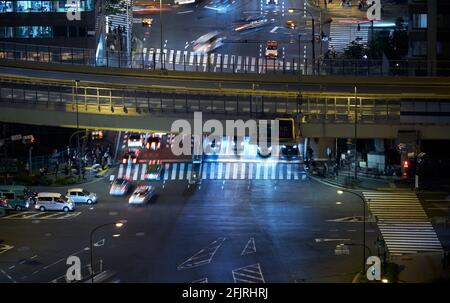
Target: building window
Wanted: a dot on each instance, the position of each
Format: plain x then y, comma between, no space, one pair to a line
6,7
419,48
419,21
6,32
43,6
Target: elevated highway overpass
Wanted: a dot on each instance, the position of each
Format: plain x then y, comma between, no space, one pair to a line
122,99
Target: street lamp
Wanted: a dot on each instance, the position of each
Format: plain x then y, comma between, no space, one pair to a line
161,34
341,192
117,224
292,10
78,130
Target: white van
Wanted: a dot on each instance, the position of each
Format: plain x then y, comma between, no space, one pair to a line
53,201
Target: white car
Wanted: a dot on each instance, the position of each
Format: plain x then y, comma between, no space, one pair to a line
135,140
79,195
120,187
142,194
207,43
53,201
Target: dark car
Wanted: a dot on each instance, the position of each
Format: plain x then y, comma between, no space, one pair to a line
289,150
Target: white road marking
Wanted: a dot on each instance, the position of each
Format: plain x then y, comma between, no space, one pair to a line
178,57
227,171
188,173
266,171
174,171
203,280
8,276
136,172
212,171
219,171
243,171
225,61
288,176
258,170
250,171
120,173
248,274
274,172
205,171
143,171
166,171
280,171
249,248
191,58
235,170
128,172
181,175
204,256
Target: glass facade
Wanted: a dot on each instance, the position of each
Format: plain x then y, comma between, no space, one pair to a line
43,6
42,31
419,21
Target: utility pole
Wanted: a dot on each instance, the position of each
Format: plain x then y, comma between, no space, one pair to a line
78,131
356,134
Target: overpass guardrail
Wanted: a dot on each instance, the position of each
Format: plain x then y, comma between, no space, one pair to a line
152,59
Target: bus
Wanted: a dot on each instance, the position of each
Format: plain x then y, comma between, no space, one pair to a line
15,197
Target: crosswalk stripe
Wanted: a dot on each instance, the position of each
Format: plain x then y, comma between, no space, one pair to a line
243,171
235,170
174,171
136,172
250,171
253,64
191,58
288,176
227,171
170,59
158,52
166,171
143,171
178,57
188,172
120,173
274,172
218,60
266,172
219,171
239,62
280,171
181,175
205,171
205,60
296,175
225,61
128,172
212,171
258,170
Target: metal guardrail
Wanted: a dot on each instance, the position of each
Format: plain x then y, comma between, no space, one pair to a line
61,95
214,63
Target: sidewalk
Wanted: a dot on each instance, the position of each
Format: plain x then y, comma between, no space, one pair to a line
421,268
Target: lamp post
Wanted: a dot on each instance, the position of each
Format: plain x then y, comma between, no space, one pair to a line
161,34
292,10
117,224
78,130
340,192
356,135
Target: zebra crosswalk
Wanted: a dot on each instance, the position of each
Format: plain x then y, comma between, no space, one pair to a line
403,222
219,171
343,33
34,215
210,62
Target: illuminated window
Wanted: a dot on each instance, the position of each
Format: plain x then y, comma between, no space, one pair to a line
419,21
6,6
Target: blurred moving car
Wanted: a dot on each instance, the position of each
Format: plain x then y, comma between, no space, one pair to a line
135,140
79,195
291,24
119,187
253,24
130,156
53,201
147,22
153,143
208,42
272,49
289,150
142,194
154,170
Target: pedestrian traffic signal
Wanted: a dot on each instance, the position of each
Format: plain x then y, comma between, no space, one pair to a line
28,139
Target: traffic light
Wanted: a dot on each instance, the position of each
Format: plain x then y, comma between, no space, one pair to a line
406,164
28,139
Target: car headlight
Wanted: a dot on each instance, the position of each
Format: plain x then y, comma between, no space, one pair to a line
283,146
